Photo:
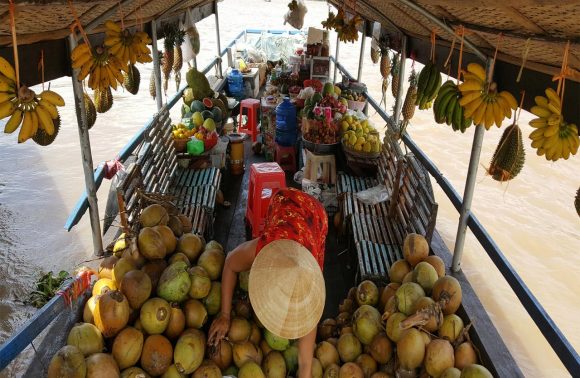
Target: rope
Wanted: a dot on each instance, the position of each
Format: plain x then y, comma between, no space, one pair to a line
77,25
565,71
462,33
121,15
448,60
490,73
433,44
12,11
524,58
41,67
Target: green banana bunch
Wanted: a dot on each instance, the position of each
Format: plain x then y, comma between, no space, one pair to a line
447,109
428,86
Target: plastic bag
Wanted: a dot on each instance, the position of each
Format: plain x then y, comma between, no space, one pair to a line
373,195
191,45
296,17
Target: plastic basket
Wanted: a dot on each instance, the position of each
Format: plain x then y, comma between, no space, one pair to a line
180,144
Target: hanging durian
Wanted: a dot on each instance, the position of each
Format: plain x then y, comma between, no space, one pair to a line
42,138
132,79
90,109
509,156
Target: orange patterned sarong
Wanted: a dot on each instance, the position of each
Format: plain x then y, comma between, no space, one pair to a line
297,216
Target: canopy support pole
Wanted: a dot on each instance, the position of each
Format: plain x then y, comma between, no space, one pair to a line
362,51
156,66
217,32
399,99
87,157
336,58
465,212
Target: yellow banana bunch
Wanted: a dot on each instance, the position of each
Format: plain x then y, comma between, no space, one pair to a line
482,101
552,137
24,107
103,69
127,47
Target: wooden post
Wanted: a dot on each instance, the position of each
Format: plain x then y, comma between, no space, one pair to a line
219,47
400,92
396,187
86,156
432,222
156,66
465,212
361,57
336,58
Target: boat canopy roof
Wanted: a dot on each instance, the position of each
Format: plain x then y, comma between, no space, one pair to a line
536,29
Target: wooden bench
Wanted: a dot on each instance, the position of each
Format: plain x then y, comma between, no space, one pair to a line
156,172
377,229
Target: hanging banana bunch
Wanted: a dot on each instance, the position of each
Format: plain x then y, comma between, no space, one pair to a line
482,100
103,68
553,137
347,30
26,108
178,56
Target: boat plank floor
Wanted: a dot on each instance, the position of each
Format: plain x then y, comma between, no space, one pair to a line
230,231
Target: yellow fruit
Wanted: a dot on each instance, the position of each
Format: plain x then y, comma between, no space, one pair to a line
477,69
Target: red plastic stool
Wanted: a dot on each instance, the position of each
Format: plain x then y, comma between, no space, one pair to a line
265,180
252,107
286,157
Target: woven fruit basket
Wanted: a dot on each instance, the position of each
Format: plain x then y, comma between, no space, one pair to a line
356,105
360,154
180,144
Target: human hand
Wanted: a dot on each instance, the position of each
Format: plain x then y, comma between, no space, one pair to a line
218,330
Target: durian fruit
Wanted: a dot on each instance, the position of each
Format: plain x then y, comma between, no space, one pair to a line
103,99
132,79
42,138
152,90
90,109
375,55
577,202
509,156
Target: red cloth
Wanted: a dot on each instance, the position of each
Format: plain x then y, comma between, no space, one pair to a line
297,216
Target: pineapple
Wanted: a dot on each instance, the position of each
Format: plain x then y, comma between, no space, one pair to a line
375,55
168,55
178,56
132,79
395,74
385,64
409,104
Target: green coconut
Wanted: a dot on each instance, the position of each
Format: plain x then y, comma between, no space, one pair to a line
154,215
366,323
195,313
155,315
327,354
291,358
212,260
407,295
191,245
200,282
134,372
68,362
276,342
349,347
87,338
207,369
475,371
425,275
189,351
151,244
174,283
274,365
251,370
213,301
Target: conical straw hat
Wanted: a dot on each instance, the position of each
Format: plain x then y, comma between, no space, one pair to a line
287,289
